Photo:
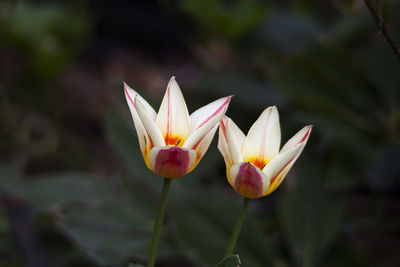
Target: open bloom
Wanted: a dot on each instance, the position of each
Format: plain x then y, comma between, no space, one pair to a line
254,165
171,141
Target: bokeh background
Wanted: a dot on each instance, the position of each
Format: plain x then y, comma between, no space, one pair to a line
74,190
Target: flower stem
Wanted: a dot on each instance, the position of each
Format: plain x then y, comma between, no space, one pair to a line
157,226
238,227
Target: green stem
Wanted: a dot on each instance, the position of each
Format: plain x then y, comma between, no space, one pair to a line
157,226
238,227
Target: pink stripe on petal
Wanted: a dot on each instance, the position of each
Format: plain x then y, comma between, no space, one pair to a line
128,95
306,135
173,117
277,168
300,137
199,133
217,111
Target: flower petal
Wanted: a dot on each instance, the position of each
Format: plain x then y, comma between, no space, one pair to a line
201,149
171,161
264,138
207,124
277,168
300,137
247,180
223,145
173,117
130,95
144,140
235,138
223,140
203,114
156,138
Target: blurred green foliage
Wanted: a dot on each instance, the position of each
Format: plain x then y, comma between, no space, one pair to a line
45,36
229,261
321,63
231,20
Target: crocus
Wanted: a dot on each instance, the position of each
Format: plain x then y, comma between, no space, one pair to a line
255,166
172,142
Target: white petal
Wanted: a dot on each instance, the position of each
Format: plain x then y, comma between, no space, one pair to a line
223,143
205,143
130,95
264,137
277,168
223,140
236,132
203,114
234,142
151,128
207,124
300,137
144,141
173,117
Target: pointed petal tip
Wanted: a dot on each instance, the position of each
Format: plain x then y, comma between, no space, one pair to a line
172,83
172,80
126,86
226,102
128,90
229,97
274,108
308,129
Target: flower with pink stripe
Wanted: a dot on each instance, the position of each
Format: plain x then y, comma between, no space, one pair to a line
172,142
255,166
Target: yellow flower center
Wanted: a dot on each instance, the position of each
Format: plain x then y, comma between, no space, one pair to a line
258,162
171,140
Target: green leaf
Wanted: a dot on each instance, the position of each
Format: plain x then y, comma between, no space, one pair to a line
204,223
309,218
231,21
229,261
109,226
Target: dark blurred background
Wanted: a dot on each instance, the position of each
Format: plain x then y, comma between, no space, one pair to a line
74,189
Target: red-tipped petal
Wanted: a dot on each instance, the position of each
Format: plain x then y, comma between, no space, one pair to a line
144,140
204,114
300,137
208,122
